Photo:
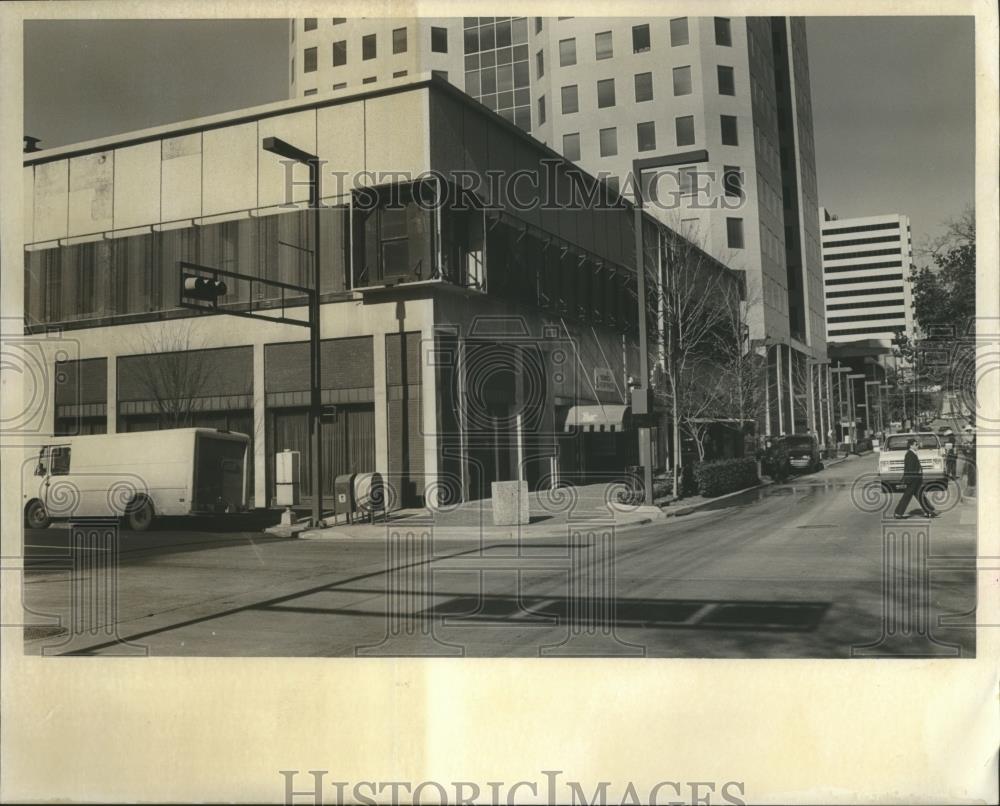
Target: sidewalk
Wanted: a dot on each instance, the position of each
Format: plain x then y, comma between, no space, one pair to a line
551,513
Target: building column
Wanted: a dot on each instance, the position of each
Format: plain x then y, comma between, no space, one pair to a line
791,391
259,430
829,398
111,401
381,404
429,414
781,403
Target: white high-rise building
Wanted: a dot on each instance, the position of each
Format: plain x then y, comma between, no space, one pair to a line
725,99
867,270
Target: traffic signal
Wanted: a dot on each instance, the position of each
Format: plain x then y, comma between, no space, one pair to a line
202,288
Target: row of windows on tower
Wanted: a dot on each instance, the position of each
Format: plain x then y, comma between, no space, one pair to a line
369,47
643,90
684,135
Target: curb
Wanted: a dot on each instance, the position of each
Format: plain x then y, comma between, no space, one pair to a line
689,508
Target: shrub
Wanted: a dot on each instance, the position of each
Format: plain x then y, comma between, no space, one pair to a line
725,476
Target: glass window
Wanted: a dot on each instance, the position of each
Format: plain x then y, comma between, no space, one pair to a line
443,74
687,180
732,181
309,24
293,68
723,31
538,25
567,52
541,109
678,31
504,39
734,233
399,74
643,86
369,80
685,130
540,63
729,133
340,85
609,142
603,45
605,93
339,20
640,38
340,53
439,40
519,31
309,60
472,40
646,136
399,40
368,47
727,84
682,80
571,146
59,460
309,92
570,100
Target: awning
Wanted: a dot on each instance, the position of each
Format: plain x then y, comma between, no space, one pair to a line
595,417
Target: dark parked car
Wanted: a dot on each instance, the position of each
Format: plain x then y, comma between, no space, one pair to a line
803,452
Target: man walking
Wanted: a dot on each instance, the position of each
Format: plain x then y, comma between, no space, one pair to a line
913,478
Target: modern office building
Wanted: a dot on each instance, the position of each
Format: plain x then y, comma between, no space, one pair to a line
867,271
462,341
727,99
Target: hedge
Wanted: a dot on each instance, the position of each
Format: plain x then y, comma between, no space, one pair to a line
725,476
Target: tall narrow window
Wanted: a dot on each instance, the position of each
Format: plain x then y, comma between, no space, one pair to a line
687,180
399,40
643,87
538,25
439,40
571,146
540,63
734,233
727,84
541,109
646,136
732,181
685,130
678,31
603,46
729,133
640,38
309,60
570,99
609,142
723,32
682,80
567,52
340,53
605,93
368,47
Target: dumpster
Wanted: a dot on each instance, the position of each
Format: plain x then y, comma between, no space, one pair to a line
369,495
343,495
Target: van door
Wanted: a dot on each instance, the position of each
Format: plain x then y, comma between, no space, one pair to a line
60,500
219,474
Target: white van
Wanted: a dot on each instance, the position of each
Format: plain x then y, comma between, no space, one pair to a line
137,476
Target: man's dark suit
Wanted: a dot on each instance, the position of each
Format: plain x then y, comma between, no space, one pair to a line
913,478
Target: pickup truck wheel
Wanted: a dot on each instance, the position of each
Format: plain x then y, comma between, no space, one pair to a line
139,515
36,516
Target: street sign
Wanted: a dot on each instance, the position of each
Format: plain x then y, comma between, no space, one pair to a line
604,380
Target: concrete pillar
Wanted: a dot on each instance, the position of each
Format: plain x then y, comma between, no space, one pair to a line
381,404
781,402
112,399
791,391
429,412
259,430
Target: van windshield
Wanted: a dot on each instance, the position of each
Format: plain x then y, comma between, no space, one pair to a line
798,442
925,442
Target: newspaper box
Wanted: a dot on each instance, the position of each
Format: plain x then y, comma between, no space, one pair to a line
286,475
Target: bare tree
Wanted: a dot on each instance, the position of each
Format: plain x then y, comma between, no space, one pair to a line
175,374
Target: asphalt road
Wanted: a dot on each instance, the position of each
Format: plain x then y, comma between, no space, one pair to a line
801,570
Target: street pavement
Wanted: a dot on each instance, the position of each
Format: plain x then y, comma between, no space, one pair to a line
798,570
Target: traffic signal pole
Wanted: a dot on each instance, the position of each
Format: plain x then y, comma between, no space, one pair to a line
315,394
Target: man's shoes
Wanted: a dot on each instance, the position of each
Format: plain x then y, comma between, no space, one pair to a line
931,514
898,517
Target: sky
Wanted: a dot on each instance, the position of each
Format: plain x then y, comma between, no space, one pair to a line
893,98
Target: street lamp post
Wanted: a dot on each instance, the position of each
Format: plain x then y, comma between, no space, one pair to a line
868,403
851,378
279,147
840,371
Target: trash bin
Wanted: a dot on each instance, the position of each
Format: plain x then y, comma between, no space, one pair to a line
369,494
343,495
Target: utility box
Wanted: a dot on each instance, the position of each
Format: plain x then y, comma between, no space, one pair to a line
343,495
369,494
287,474
510,503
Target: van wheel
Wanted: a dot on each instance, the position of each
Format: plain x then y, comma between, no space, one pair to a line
139,515
35,515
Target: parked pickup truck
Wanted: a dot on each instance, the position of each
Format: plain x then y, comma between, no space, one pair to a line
136,476
891,456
